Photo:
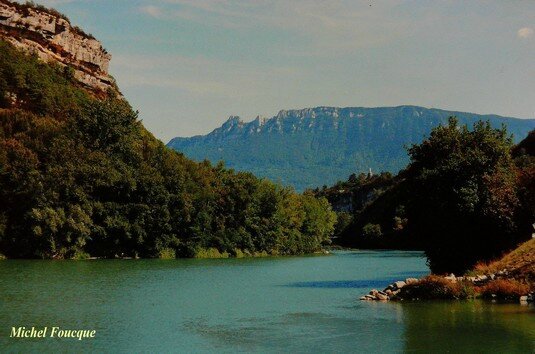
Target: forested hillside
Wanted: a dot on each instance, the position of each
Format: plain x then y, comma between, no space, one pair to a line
80,176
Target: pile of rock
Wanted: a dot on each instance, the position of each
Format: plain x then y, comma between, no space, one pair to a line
527,298
392,290
480,279
389,292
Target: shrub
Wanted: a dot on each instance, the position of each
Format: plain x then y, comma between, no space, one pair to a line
436,287
238,253
210,253
504,289
372,231
80,255
167,253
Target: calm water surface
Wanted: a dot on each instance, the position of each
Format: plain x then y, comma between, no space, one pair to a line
297,304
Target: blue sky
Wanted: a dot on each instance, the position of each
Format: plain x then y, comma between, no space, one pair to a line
187,65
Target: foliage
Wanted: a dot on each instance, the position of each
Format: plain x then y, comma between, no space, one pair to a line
81,176
466,197
372,231
26,6
210,253
435,287
464,200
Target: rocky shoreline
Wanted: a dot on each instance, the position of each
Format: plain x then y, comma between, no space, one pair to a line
495,286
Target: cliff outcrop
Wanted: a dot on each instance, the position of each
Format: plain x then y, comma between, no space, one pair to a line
50,36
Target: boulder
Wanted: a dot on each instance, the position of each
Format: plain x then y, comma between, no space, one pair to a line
399,284
409,281
390,287
451,277
381,296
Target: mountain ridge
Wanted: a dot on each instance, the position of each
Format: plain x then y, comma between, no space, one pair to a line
299,146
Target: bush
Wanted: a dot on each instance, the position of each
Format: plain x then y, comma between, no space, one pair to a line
435,287
211,253
80,255
167,253
504,289
372,231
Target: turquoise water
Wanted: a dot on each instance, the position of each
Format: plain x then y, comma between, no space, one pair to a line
294,304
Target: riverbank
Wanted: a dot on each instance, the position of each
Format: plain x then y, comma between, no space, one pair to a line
203,253
510,278
493,287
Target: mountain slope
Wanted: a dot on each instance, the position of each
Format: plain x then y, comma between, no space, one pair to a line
318,146
80,176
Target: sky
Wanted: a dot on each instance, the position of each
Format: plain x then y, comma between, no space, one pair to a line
187,65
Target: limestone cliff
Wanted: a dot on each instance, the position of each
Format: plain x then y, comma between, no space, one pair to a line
52,38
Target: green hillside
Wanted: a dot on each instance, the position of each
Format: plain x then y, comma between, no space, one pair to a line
80,177
319,146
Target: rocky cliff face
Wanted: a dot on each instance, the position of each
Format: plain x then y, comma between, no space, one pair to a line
52,38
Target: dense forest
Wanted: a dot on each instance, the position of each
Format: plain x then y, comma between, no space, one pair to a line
468,195
81,177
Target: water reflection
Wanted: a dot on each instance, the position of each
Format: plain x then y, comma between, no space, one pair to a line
468,327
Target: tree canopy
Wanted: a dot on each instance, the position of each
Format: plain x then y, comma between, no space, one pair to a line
81,176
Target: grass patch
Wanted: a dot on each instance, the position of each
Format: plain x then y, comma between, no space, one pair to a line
520,263
504,289
434,287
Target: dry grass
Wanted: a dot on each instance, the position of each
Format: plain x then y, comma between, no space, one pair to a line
504,289
436,287
520,263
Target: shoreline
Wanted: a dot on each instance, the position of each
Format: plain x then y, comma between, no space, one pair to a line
224,255
495,287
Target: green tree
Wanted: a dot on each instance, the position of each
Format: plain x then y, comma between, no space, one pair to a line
464,199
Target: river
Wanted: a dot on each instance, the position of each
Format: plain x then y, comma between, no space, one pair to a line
267,305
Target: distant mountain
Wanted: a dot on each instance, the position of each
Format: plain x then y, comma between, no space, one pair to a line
318,146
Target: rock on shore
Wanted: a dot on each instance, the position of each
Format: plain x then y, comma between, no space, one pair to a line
401,290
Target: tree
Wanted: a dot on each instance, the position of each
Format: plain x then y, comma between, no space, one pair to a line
371,231
463,195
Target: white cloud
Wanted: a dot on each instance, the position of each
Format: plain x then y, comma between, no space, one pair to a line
525,32
151,10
